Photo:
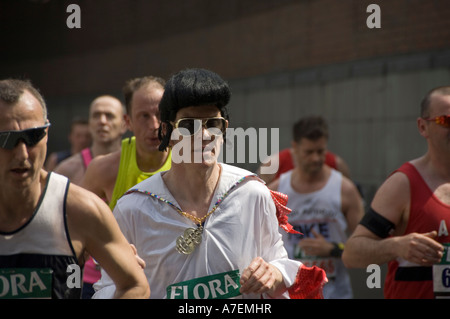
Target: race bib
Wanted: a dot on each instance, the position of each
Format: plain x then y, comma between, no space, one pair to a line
220,286
19,283
441,275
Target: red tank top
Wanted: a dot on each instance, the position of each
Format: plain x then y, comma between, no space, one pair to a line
427,213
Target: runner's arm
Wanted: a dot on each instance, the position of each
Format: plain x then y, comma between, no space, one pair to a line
391,201
92,227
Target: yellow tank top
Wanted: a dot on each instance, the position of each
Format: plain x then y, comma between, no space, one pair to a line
129,173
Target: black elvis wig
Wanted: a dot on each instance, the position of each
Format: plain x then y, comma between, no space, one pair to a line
191,87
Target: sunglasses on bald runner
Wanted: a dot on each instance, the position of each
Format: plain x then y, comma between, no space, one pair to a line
31,136
443,120
191,126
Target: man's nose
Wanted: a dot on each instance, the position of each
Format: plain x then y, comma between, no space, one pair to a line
21,150
154,122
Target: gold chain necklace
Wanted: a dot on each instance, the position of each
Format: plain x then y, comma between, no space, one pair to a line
196,219
192,237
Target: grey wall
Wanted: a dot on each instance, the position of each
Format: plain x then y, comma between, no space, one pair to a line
372,114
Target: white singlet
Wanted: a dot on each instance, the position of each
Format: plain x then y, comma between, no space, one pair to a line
319,211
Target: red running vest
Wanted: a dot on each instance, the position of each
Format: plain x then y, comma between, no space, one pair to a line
427,213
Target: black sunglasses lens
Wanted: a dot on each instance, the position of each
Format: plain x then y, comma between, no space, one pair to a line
4,140
31,137
34,136
194,125
215,123
190,125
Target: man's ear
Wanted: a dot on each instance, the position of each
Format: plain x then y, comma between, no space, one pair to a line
422,127
127,122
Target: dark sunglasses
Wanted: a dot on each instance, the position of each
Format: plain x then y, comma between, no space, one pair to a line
443,120
191,126
31,136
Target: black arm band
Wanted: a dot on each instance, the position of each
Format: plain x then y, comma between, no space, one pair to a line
377,224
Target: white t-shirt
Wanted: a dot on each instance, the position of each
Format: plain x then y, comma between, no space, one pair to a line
244,226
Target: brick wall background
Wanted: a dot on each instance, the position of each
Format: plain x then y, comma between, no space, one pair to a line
238,39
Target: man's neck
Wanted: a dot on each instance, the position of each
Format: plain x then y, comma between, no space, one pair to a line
434,171
306,182
150,161
197,189
18,206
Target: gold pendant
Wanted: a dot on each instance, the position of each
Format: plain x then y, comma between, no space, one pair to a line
191,238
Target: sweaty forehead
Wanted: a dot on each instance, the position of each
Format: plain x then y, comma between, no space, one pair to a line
106,102
320,142
147,95
26,113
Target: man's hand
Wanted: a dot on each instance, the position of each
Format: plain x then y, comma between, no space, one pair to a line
421,249
140,261
317,246
261,277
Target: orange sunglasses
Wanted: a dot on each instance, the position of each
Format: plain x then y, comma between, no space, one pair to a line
443,120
